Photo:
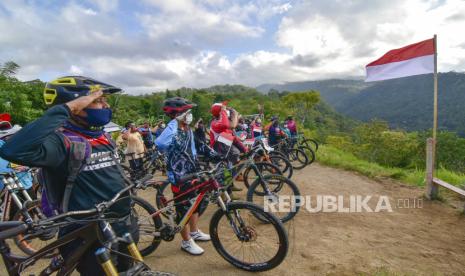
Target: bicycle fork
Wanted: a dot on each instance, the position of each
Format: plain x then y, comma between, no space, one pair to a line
103,253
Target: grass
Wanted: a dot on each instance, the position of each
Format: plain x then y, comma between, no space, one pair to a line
337,158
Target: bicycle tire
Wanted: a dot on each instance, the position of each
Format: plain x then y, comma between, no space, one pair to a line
233,210
272,169
26,244
300,156
295,196
288,170
310,154
305,142
145,229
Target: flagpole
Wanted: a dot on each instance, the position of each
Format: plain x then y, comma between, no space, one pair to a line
435,116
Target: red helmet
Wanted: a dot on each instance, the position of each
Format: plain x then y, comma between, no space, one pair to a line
176,105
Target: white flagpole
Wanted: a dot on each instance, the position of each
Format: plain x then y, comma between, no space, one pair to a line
435,116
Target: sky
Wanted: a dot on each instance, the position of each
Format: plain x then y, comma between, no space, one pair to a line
152,45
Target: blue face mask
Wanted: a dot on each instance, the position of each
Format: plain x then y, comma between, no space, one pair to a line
97,117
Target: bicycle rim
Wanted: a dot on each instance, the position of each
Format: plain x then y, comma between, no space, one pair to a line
262,247
288,193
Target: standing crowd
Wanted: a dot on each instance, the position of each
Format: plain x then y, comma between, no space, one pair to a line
73,126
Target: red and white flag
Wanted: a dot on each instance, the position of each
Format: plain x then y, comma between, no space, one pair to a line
414,59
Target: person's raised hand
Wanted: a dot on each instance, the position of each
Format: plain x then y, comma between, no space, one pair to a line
77,105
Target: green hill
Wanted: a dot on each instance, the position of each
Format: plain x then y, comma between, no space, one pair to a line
405,103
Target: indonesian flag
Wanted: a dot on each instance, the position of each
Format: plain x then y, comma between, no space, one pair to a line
414,59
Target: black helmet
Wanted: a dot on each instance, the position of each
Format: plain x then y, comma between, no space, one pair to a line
68,88
176,105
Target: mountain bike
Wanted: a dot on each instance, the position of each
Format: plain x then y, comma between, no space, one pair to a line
265,154
262,185
18,204
236,233
296,155
151,162
96,229
307,142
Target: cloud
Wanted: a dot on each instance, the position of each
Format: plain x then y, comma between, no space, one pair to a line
152,45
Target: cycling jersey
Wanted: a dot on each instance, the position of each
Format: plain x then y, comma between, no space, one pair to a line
291,125
275,134
38,144
180,149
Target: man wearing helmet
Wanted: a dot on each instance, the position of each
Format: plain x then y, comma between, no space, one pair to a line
78,110
177,140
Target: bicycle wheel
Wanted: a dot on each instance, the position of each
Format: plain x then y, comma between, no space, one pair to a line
298,158
244,241
283,164
280,189
264,168
310,154
148,225
30,243
311,143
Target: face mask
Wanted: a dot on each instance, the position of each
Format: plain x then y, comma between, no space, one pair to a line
189,118
228,113
163,125
186,117
259,121
97,117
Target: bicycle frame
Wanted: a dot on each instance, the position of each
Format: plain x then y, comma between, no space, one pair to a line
203,187
12,186
15,265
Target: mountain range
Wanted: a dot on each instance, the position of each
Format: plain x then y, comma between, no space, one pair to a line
405,103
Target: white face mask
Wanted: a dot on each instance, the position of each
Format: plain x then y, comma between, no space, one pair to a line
163,125
228,112
189,118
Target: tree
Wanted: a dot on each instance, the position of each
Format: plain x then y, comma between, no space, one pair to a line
9,69
302,103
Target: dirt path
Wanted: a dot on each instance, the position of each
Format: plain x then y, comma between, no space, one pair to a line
419,241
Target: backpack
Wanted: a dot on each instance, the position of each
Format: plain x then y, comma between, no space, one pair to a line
55,199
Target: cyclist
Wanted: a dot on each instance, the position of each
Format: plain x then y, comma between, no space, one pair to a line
159,129
77,107
256,127
291,125
177,140
225,120
275,133
147,136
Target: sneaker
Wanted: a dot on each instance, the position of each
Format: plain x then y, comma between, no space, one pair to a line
191,247
200,236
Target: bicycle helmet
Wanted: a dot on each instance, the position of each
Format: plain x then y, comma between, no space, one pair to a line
68,88
173,106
